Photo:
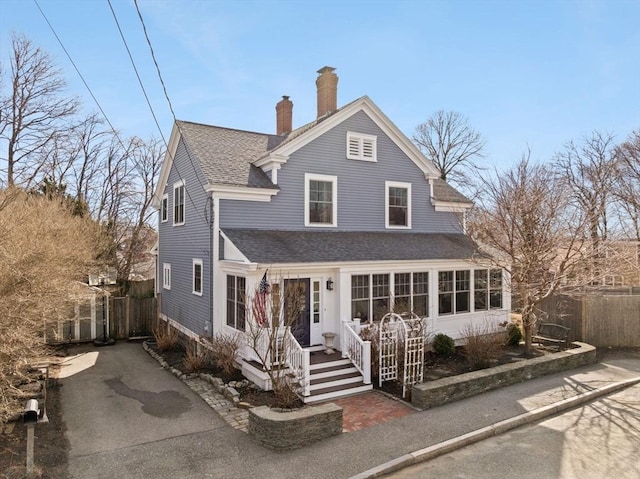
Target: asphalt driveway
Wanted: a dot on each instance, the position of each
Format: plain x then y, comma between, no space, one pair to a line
125,415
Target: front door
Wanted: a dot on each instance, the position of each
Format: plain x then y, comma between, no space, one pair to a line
297,308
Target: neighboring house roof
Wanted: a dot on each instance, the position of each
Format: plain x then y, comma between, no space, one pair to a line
272,247
226,155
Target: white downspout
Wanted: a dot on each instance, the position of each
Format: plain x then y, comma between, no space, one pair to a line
215,254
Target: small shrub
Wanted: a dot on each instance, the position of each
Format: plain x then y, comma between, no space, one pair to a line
443,345
193,361
483,345
224,349
514,334
286,397
166,338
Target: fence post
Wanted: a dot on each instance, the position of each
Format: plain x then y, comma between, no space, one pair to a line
127,314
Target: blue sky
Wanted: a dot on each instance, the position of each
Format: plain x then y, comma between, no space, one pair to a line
525,73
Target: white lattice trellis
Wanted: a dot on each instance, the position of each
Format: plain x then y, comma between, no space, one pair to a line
388,352
409,329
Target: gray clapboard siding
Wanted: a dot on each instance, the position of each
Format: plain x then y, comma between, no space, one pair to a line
179,245
361,187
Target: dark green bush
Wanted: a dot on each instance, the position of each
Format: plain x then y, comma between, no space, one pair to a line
443,345
514,334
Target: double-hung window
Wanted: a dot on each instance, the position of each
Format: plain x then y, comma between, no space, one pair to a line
321,200
236,309
197,277
164,208
454,292
398,205
487,290
495,289
370,296
166,275
411,293
178,203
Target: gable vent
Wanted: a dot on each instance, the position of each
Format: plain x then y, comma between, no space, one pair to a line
361,147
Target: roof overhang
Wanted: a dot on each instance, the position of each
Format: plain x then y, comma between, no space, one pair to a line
450,206
232,192
172,147
365,104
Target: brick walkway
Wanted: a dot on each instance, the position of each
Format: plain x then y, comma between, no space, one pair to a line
368,409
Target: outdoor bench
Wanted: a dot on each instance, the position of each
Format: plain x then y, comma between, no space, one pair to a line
555,334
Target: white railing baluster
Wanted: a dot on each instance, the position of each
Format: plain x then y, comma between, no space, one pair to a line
358,351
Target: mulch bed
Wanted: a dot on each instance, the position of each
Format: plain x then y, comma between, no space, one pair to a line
248,393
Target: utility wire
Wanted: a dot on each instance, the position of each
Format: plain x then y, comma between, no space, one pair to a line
164,87
144,91
114,131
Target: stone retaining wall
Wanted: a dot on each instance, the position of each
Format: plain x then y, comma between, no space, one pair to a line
286,430
435,393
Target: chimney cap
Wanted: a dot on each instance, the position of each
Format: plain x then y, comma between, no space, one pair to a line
285,97
326,69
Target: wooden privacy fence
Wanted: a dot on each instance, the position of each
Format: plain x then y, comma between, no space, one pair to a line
600,320
611,321
132,317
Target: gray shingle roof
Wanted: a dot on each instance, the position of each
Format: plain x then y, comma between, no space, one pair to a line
272,247
443,191
225,155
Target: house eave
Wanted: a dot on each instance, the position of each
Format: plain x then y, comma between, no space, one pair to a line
450,206
363,104
167,163
245,193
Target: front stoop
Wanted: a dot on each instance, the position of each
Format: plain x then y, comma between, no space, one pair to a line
332,376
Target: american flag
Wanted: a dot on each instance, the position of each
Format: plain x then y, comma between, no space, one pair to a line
264,284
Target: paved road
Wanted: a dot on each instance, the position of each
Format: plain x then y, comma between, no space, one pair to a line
127,417
597,441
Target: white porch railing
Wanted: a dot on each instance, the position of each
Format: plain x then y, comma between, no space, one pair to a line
298,361
357,350
285,351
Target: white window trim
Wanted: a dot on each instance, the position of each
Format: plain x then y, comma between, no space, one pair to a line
164,208
193,277
361,138
166,275
308,177
397,184
177,185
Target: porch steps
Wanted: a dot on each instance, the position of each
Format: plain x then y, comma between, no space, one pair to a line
332,376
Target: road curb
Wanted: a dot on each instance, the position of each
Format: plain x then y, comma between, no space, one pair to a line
501,427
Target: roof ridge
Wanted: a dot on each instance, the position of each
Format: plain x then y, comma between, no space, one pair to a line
228,128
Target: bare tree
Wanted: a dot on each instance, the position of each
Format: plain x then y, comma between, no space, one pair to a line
34,109
628,184
452,145
36,281
588,170
527,222
147,160
270,337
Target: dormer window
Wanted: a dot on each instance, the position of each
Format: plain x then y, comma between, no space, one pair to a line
361,147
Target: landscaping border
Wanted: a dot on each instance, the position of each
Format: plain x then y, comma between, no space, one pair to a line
436,393
286,430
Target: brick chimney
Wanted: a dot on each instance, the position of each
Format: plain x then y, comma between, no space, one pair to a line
327,84
284,116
